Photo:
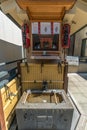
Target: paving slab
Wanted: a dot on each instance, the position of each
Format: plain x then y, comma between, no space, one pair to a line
77,88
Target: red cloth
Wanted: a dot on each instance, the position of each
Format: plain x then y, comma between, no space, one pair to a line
52,28
25,36
39,28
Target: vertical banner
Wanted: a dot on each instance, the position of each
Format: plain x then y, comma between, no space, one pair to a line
56,28
25,35
45,28
35,28
66,36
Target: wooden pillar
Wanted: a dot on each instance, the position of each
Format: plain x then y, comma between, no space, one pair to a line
19,73
65,77
2,119
0,125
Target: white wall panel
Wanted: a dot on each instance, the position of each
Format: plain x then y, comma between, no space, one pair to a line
9,31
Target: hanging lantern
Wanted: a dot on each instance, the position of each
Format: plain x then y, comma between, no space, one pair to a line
25,36
66,36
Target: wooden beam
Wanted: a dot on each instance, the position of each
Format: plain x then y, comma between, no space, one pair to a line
46,20
45,6
45,13
28,13
65,77
45,2
63,13
47,16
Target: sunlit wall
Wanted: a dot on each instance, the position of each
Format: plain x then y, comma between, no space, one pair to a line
9,31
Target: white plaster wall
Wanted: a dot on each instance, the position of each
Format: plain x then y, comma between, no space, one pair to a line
78,41
9,31
80,18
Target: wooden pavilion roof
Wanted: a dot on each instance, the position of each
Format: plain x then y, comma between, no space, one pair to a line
46,10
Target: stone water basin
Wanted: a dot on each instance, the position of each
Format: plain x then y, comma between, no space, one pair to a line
44,110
